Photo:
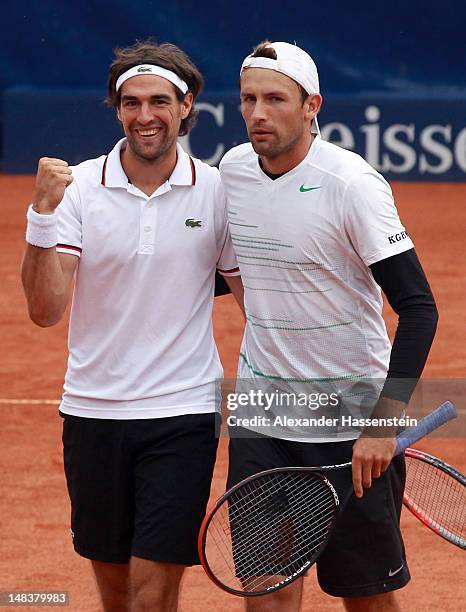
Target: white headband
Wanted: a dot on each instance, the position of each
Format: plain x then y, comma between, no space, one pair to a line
143,69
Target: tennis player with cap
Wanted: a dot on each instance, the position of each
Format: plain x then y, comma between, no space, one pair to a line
317,236
143,230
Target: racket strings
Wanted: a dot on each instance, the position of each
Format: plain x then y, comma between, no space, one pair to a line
268,529
303,543
257,561
316,492
438,498
258,530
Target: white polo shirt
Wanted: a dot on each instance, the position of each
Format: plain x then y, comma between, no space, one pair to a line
140,337
304,243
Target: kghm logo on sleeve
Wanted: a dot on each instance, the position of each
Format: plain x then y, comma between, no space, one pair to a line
397,237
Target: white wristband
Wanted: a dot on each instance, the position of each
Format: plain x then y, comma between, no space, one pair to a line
42,230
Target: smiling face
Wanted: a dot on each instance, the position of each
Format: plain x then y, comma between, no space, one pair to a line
277,120
151,115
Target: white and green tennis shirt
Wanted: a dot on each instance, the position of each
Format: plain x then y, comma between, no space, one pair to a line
304,242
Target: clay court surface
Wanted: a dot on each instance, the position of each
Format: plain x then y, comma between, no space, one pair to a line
37,553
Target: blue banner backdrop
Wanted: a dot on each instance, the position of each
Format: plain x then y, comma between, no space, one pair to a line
406,139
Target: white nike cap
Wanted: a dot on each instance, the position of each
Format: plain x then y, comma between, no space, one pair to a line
294,63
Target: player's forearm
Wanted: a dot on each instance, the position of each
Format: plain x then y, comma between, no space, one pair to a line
45,285
46,277
405,285
385,414
416,329
235,284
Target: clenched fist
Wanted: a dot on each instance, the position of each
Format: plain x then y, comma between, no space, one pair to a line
53,177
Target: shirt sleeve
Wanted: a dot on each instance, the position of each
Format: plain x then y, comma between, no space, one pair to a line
405,285
69,222
371,219
221,287
227,264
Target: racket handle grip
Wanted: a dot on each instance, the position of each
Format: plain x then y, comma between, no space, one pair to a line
444,413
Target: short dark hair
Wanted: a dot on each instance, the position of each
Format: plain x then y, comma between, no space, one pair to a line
263,50
167,56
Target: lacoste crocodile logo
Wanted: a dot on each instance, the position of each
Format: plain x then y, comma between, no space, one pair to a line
144,69
193,223
303,189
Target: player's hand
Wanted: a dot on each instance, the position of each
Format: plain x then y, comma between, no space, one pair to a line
371,457
53,177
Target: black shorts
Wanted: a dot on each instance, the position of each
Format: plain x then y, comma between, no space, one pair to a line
365,554
139,487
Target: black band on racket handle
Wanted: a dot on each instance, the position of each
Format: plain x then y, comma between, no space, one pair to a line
444,413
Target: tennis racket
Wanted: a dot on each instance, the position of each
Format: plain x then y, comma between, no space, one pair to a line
436,494
267,530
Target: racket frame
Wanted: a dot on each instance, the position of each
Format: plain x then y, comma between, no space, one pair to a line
317,472
422,515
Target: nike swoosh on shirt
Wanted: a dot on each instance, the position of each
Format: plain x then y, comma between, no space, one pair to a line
303,189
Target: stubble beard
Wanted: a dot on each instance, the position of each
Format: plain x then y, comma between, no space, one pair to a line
277,148
148,154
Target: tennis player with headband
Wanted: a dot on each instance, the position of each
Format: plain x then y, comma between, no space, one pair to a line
144,230
330,239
